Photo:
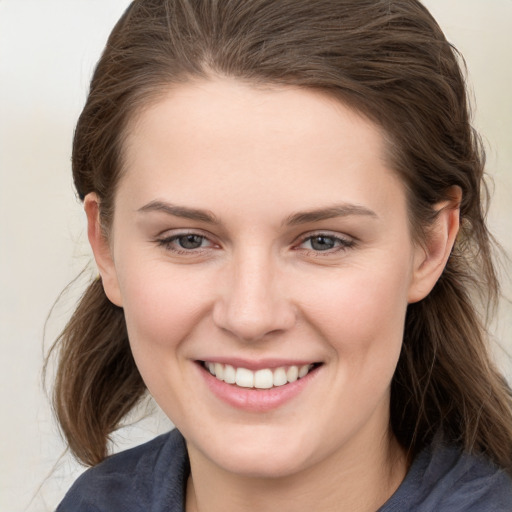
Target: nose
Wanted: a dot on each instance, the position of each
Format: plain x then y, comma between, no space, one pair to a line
252,301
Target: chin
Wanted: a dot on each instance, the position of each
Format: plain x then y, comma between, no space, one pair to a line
262,464
256,454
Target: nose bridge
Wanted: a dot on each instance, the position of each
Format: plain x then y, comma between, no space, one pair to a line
253,304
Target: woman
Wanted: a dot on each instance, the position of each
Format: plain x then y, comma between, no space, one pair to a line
284,201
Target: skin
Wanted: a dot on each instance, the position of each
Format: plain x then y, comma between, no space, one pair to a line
258,287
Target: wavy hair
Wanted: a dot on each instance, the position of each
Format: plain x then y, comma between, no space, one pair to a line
387,59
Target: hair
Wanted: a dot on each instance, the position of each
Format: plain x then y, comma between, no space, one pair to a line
386,59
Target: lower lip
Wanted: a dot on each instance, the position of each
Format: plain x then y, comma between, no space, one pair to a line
255,400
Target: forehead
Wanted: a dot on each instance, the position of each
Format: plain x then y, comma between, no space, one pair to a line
214,107
293,145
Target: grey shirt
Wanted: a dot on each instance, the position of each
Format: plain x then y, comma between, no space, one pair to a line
153,478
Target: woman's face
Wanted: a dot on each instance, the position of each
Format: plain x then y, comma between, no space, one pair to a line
260,234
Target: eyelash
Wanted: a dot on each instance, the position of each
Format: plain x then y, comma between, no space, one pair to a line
168,243
340,243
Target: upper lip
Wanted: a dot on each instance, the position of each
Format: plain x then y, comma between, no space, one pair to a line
258,364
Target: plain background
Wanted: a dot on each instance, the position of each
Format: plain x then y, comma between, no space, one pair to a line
47,53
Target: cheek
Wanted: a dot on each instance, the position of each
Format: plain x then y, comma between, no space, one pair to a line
361,313
162,310
162,303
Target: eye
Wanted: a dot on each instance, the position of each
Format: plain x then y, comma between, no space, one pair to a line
190,241
323,242
185,242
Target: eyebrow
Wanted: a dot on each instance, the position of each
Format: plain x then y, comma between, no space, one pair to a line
339,210
180,211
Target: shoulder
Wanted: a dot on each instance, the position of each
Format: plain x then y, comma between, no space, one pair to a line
151,476
445,479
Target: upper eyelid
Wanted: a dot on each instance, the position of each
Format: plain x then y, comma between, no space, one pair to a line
173,233
326,233
176,233
168,243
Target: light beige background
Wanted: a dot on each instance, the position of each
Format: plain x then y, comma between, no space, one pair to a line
47,52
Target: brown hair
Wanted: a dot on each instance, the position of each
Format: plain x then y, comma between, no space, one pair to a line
389,60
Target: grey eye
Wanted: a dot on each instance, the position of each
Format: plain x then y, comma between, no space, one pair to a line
322,243
190,241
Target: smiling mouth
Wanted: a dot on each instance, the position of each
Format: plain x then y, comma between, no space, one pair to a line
266,378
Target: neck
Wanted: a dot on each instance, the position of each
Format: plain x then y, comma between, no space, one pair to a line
359,480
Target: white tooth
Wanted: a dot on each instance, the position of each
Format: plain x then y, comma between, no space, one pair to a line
280,377
219,371
211,368
229,374
263,379
244,378
292,374
303,371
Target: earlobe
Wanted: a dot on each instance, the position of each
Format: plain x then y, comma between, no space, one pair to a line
431,257
101,249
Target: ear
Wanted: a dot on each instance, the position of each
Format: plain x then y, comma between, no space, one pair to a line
101,249
431,257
